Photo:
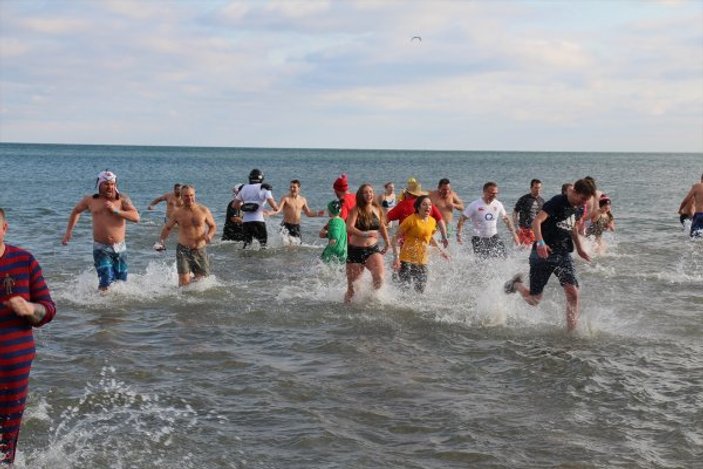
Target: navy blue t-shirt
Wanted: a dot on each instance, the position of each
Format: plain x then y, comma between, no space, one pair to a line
556,230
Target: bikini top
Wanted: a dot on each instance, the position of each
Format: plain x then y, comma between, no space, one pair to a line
388,203
363,226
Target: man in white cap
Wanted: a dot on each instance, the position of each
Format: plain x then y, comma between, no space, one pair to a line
110,211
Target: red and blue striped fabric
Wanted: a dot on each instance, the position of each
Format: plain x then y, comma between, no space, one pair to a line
20,275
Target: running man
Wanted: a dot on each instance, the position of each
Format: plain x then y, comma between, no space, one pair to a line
526,209
173,201
694,202
556,231
251,199
292,205
197,229
484,213
446,200
110,211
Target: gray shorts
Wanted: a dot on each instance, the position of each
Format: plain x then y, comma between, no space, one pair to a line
192,260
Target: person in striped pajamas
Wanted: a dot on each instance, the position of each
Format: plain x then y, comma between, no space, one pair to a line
25,302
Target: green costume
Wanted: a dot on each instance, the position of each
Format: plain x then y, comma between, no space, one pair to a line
336,230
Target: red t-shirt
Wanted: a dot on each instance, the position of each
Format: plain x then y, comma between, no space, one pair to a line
348,203
406,207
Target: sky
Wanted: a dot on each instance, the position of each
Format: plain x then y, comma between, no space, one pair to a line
572,75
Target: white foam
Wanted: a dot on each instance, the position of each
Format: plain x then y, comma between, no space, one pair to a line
117,422
159,281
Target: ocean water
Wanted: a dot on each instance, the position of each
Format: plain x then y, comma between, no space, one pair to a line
263,366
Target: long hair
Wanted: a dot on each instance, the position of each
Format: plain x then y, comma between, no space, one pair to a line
363,215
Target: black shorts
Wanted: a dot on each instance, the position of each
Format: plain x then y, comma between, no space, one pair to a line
232,231
255,230
359,255
293,229
558,263
413,274
488,247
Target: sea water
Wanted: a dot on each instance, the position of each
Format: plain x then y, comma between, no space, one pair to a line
262,365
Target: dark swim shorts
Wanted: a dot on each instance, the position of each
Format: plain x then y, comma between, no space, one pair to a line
558,263
359,255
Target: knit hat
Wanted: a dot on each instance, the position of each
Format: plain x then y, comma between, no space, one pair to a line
334,207
341,184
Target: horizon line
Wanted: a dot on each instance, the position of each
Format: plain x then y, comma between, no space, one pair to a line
347,149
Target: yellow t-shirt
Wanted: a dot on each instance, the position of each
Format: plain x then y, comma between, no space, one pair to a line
416,234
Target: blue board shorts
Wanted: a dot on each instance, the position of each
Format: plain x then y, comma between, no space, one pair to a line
558,263
110,262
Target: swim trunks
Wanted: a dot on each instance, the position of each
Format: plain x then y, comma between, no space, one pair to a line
697,225
192,260
110,262
359,255
293,229
255,230
488,247
558,263
526,236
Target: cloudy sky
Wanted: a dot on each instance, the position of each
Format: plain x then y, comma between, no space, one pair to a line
591,75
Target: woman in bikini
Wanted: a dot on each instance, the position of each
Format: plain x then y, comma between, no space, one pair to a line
387,199
365,224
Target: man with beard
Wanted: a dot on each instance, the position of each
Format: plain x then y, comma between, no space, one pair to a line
110,211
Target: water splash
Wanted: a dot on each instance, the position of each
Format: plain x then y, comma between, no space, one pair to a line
159,281
114,425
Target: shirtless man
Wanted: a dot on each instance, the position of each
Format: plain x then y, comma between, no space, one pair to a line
110,211
446,200
173,201
694,199
197,228
292,205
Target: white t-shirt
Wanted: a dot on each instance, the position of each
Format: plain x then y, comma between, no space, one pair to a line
254,193
485,217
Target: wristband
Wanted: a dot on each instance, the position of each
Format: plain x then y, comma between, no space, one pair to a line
540,243
116,212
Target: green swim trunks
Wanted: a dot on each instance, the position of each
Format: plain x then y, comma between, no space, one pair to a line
192,260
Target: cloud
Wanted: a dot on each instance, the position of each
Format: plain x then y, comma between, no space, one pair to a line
276,70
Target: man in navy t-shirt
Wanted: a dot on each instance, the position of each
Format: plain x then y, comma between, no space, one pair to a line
556,236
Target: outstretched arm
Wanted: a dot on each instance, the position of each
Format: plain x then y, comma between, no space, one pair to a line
273,204
278,210
162,198
311,213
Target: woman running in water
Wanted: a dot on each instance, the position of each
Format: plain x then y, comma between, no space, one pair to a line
365,224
